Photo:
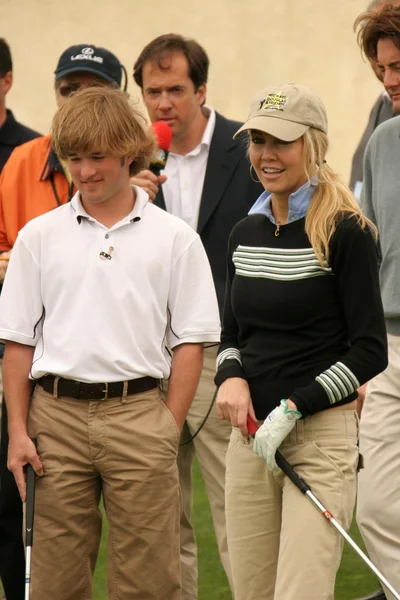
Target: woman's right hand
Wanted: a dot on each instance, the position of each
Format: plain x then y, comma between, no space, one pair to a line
361,398
234,403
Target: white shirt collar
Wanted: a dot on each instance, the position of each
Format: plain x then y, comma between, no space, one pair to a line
207,133
135,215
209,130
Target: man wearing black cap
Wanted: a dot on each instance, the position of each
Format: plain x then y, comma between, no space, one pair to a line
35,181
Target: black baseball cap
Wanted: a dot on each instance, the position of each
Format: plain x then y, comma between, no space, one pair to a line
90,59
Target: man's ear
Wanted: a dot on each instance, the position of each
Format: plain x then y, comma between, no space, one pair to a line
6,82
127,162
202,93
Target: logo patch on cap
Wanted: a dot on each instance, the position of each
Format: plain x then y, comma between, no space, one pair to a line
87,54
273,102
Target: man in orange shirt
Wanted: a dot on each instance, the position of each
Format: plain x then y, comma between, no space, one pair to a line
35,181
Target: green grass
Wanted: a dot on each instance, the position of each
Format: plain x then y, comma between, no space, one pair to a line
354,578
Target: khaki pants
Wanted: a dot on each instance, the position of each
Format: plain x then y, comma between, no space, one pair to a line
210,446
378,510
124,449
280,546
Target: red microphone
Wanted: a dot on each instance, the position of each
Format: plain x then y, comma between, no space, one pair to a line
163,135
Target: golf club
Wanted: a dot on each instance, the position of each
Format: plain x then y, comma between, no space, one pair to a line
299,482
29,516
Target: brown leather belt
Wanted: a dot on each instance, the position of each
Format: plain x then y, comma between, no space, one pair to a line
95,391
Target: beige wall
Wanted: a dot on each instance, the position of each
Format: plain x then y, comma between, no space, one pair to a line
251,43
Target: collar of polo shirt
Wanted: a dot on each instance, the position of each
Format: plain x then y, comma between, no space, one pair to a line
135,215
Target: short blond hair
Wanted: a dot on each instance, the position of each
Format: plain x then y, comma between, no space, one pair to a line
103,119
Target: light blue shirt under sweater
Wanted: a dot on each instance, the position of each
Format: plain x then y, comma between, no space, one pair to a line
299,202
380,201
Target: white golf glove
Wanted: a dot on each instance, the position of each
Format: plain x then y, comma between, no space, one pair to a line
273,431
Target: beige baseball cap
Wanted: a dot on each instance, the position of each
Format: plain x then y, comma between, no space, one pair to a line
286,112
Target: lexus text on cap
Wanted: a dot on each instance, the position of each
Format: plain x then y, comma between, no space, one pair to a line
90,59
286,112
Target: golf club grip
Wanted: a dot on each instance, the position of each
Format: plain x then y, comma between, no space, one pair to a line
30,501
282,463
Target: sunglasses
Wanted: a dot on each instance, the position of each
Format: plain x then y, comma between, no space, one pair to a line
67,90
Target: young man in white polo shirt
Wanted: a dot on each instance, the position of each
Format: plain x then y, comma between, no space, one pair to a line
95,292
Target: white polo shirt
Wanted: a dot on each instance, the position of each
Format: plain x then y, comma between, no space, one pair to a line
97,319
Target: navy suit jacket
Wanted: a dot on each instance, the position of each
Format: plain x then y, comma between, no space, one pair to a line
227,196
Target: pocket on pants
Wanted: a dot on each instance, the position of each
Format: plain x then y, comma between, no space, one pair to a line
170,417
341,454
237,439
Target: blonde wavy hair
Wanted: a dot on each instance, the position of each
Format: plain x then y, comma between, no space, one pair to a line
103,119
331,200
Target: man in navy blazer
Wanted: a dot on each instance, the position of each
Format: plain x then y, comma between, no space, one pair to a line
207,183
227,195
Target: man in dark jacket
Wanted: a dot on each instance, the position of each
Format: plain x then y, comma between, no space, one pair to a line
207,183
12,133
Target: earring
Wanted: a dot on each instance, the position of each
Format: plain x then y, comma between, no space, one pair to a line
251,175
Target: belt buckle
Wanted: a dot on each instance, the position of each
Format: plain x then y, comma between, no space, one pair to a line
105,397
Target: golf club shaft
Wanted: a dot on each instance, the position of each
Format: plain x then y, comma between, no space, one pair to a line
29,517
299,482
28,555
293,476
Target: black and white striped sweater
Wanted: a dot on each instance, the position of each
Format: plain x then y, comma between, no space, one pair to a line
295,329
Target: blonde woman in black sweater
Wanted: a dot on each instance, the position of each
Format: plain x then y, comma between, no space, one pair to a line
303,329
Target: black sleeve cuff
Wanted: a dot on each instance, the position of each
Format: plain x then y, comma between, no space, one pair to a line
230,368
313,398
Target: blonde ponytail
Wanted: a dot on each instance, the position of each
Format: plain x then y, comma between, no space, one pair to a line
331,198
